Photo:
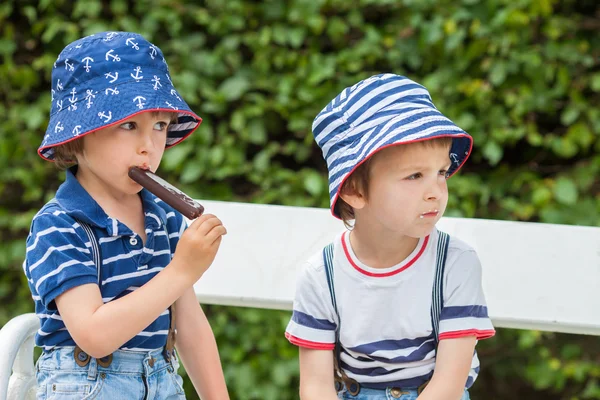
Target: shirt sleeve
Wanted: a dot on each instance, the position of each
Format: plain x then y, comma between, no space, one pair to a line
465,311
312,324
57,257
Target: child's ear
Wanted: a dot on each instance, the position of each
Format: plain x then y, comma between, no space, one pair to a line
353,196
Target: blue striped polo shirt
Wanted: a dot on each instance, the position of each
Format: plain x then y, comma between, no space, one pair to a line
59,258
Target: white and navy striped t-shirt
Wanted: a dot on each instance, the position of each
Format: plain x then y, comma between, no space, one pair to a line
58,258
386,332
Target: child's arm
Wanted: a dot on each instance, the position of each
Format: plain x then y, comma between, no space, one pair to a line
100,329
316,375
452,365
198,349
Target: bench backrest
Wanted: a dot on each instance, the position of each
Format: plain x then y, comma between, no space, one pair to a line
535,276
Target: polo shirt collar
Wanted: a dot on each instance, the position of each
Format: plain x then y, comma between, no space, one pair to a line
78,203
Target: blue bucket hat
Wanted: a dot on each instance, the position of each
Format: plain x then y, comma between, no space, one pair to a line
378,112
103,79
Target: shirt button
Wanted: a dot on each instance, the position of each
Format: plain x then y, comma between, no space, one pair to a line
133,241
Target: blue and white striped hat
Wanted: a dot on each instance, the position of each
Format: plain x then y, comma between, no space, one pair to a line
378,112
103,79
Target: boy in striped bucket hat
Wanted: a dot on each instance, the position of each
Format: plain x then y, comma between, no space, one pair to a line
399,302
107,261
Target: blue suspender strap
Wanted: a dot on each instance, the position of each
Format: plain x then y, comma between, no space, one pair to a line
341,379
328,260
95,247
437,301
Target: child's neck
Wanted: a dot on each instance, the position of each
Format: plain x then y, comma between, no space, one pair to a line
379,248
127,209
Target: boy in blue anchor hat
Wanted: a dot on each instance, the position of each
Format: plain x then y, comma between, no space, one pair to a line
110,266
399,302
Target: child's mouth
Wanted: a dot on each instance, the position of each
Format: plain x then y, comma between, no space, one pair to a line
430,214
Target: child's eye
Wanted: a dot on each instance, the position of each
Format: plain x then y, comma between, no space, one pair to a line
444,173
414,176
128,126
161,126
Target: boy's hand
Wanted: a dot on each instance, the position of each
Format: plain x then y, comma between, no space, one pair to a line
198,246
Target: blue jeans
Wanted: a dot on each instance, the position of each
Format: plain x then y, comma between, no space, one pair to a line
131,375
386,394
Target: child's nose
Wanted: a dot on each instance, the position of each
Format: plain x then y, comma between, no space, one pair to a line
434,191
146,144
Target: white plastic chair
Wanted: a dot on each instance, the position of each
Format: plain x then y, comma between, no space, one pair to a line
17,372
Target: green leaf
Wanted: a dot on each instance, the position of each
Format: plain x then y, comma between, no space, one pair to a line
493,152
234,87
570,115
256,132
595,82
565,191
313,183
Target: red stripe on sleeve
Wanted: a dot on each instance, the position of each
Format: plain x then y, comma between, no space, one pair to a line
308,344
480,335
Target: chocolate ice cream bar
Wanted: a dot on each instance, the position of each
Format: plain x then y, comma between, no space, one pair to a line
167,192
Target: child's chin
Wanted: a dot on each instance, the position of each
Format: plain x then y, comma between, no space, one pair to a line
422,231
134,188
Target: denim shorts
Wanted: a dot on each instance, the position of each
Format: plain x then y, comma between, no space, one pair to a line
386,394
131,375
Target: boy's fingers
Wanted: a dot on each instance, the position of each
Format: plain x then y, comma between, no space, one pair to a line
200,220
217,241
216,234
208,225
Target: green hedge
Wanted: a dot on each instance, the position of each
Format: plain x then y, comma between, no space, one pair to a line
522,76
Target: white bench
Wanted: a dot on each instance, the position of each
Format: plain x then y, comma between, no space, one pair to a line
535,276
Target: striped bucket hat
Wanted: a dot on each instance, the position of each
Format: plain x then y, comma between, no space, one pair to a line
376,113
103,79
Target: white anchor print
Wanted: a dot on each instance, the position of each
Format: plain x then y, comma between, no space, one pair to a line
112,91
172,106
68,66
131,43
115,57
52,93
58,127
139,99
137,76
112,77
73,100
77,130
174,93
152,51
89,96
87,65
454,158
110,36
169,79
157,83
105,116
59,85
59,103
